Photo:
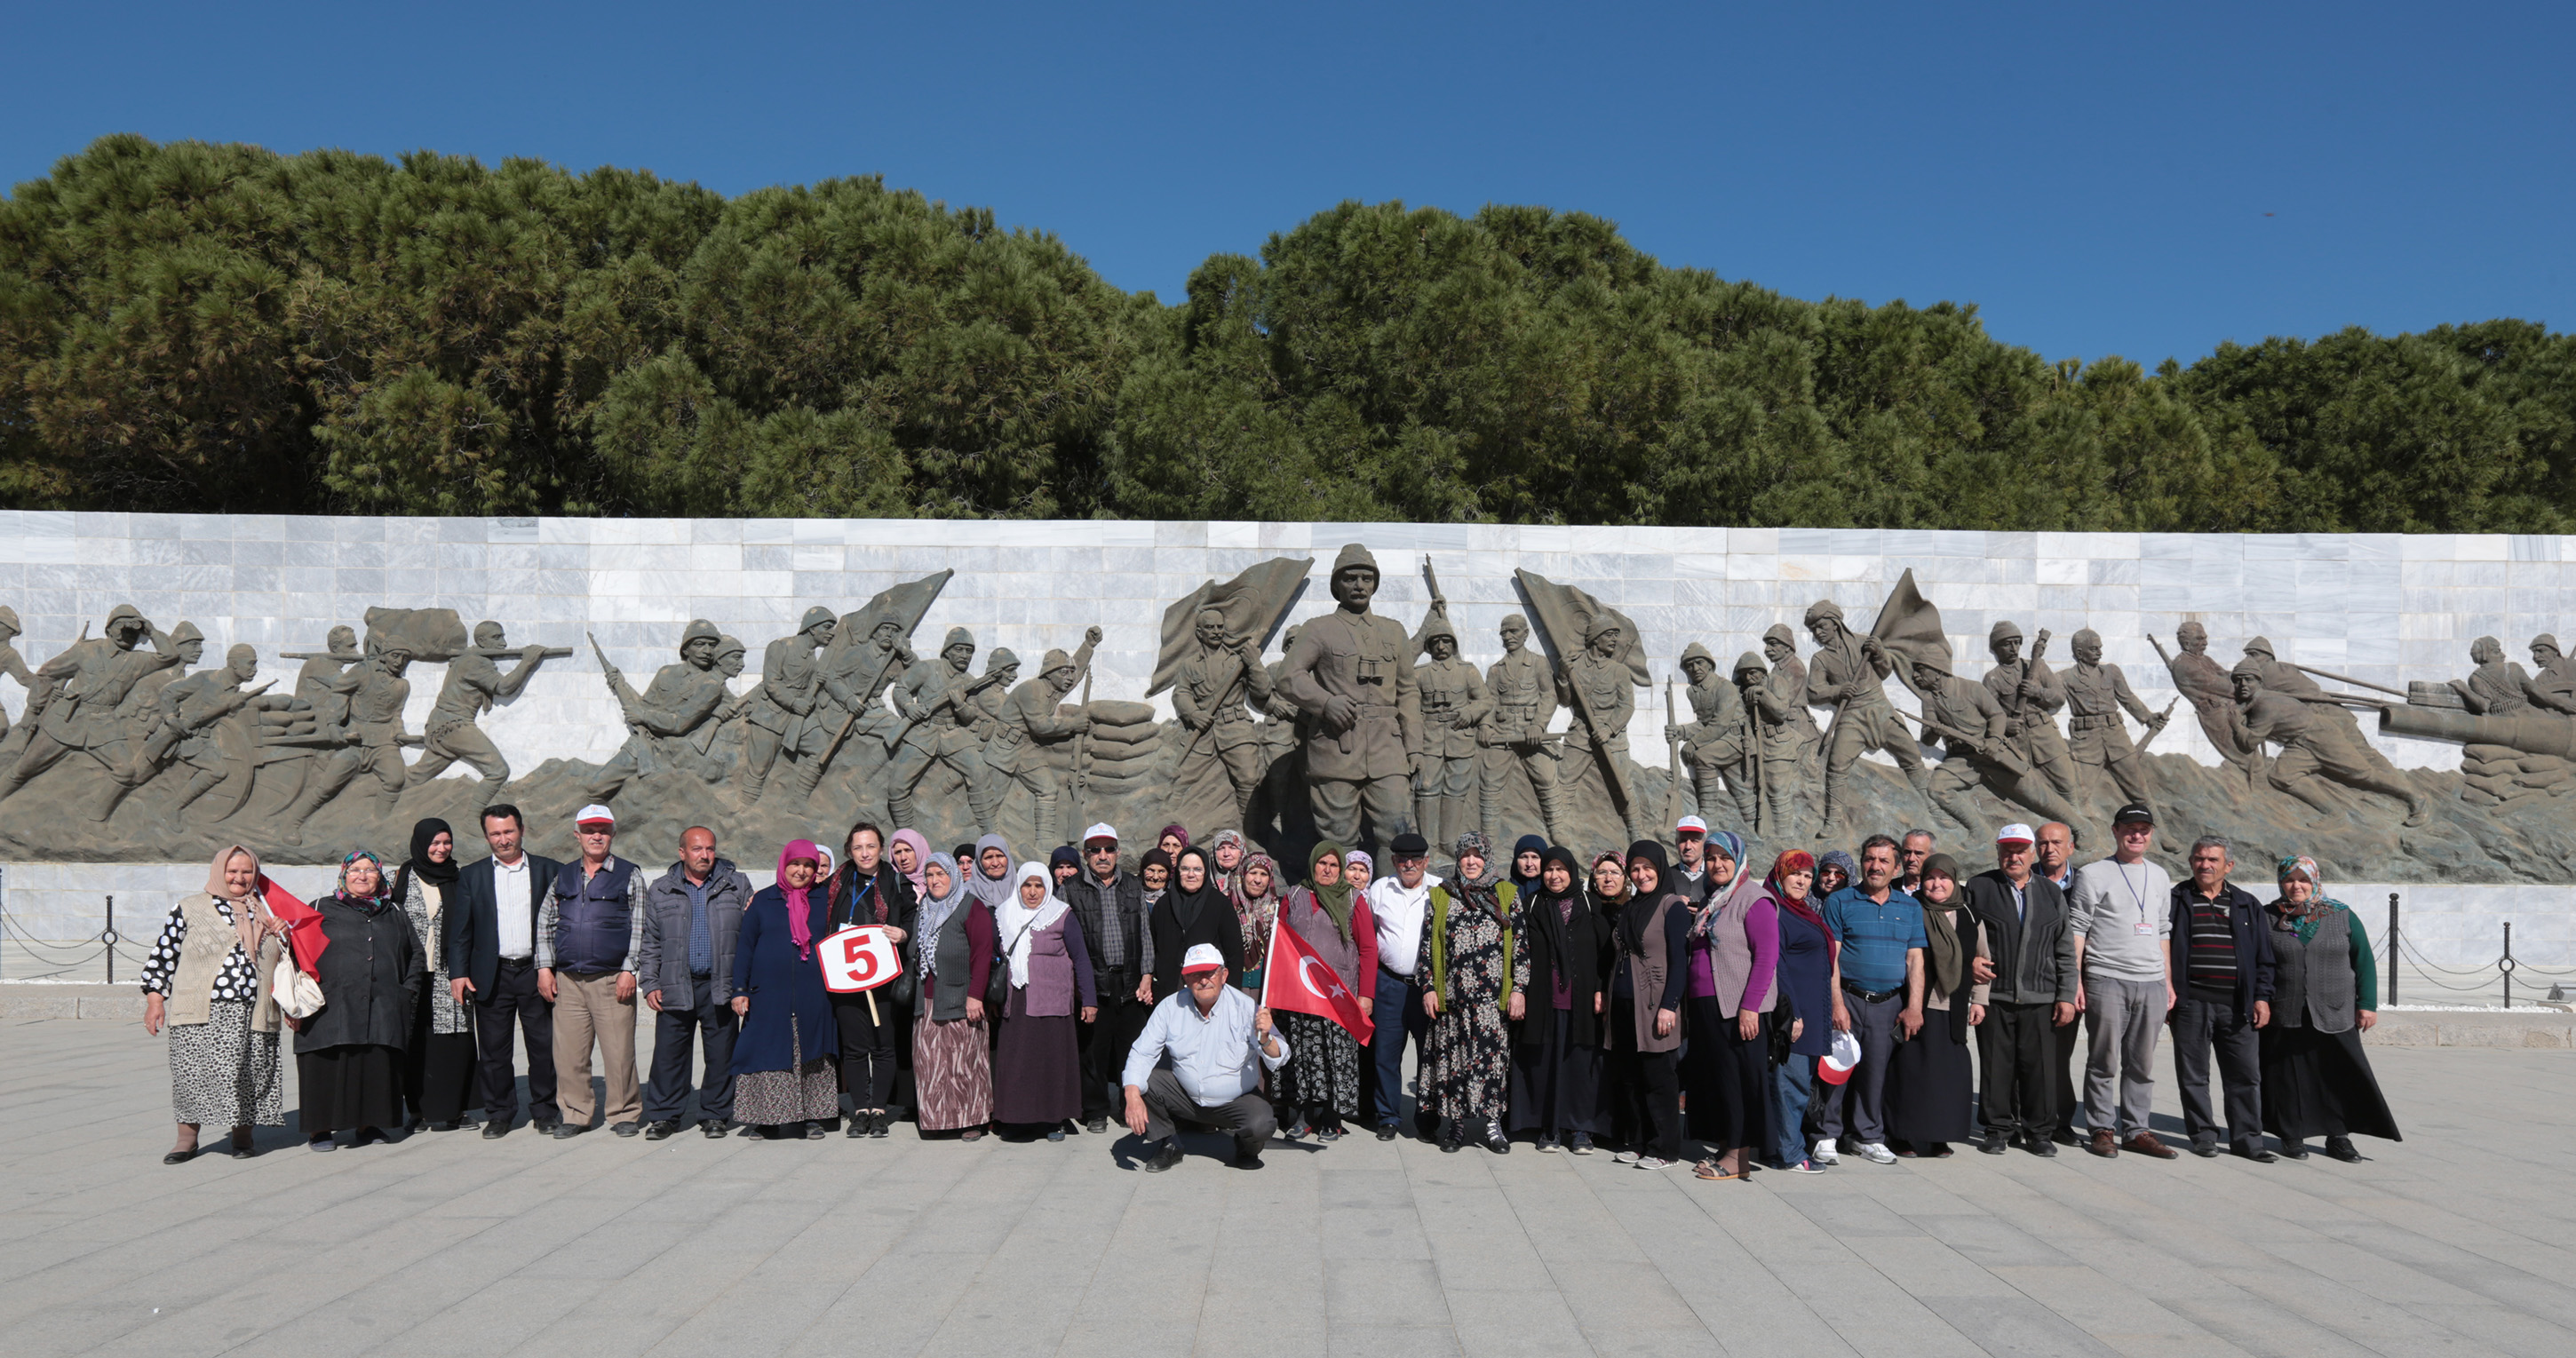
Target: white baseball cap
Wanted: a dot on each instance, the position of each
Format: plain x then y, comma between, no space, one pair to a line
1103,830
1201,960
1839,1062
1691,825
595,814
2015,833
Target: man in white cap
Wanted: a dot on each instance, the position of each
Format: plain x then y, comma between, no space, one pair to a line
1195,1063
1117,933
2032,995
589,931
1690,837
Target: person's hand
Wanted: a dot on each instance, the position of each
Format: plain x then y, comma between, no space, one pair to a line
1842,1016
1135,1111
2368,1019
546,984
893,934
2262,1013
2079,997
1091,1013
459,988
1797,1029
1665,1021
1598,1005
293,1024
153,1013
1748,1025
741,1006
1368,1007
974,1009
1910,1020
1261,1022
653,998
2061,1013
2171,999
1982,970
625,986
1519,1006
1145,991
1430,1004
1976,1015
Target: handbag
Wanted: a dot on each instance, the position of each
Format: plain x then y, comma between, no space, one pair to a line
297,993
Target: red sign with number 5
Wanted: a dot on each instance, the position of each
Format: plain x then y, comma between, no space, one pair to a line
858,958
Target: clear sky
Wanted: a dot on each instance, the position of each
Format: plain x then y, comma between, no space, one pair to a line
2145,180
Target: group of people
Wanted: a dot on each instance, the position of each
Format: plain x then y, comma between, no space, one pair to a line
1645,1002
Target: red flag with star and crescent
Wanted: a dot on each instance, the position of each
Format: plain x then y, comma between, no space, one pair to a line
1294,978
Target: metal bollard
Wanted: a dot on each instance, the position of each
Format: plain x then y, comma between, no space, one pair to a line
108,937
2505,964
2392,948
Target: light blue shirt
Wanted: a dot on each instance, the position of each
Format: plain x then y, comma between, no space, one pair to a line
1211,1053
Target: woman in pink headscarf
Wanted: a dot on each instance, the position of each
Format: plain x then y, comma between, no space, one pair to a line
782,1062
910,853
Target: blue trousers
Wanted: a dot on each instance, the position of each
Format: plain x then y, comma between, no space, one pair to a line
1398,1013
1793,1087
714,1027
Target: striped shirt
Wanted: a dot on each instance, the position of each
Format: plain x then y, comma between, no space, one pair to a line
2211,958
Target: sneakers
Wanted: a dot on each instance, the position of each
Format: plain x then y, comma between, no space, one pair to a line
1655,1162
1806,1167
1994,1143
1579,1144
1547,1145
1627,1157
1824,1154
1875,1152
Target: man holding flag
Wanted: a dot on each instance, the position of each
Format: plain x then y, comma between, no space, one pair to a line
1211,1033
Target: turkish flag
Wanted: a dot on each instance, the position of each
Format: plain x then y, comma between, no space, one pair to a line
303,925
1295,979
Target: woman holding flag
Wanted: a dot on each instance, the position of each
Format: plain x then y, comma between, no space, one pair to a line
1325,924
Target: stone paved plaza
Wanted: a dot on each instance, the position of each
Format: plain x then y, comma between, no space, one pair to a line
2456,1242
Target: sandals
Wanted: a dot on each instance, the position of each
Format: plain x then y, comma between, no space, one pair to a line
1708,1169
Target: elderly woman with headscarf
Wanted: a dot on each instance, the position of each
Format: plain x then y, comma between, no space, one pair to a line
349,1053
1191,913
953,950
1226,849
1173,839
1037,1064
908,850
1064,864
1808,980
1256,893
1647,980
1359,869
1320,1085
1931,1093
874,1027
1734,987
1527,861
2316,1081
1467,945
207,981
1560,978
439,1063
782,1061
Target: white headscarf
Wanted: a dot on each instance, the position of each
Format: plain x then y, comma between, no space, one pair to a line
1018,924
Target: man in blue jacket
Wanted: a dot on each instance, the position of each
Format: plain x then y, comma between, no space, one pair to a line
684,962
2221,969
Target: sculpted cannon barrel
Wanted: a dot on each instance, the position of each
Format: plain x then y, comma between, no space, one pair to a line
2531,734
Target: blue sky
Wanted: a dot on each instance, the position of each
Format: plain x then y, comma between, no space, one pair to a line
2140,180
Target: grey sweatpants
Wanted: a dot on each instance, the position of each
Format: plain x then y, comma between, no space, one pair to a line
2122,1019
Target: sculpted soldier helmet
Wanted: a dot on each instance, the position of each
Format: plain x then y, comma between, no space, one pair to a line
730,646
1695,651
1355,555
1780,631
123,616
1437,626
2002,632
184,633
1001,658
1749,663
1056,659
699,629
1599,625
957,636
2249,667
2486,651
1822,609
2261,646
816,616
2543,642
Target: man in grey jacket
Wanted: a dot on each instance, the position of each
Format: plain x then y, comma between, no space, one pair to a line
2031,996
685,960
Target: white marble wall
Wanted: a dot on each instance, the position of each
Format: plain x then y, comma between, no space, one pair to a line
2383,608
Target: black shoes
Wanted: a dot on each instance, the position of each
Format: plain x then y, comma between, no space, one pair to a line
2294,1150
627,1128
2066,1136
2206,1150
495,1128
661,1131
2043,1147
1495,1139
180,1157
1247,1158
546,1126
2251,1151
1165,1158
881,1124
1448,1139
1993,1144
715,1128
1095,1126
2340,1147
855,1126
1386,1131
566,1131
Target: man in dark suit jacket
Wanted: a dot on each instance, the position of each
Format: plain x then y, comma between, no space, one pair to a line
491,951
2031,996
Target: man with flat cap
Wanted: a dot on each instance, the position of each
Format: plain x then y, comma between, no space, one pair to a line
1521,701
1715,743
1352,674
932,701
1850,674
670,708
1030,721
790,682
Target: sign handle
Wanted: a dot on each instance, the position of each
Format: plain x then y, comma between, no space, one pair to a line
872,1007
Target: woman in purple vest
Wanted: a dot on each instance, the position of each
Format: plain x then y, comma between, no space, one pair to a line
782,1063
1734,975
1037,1068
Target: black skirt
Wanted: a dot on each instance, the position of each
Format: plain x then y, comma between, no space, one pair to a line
2319,1084
1556,1081
349,1086
1930,1088
1037,1067
1727,1077
436,1072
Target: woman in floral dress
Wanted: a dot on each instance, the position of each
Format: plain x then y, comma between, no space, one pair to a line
1467,953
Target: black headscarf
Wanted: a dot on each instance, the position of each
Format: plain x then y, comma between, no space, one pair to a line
1640,909
1187,904
440,875
1526,887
